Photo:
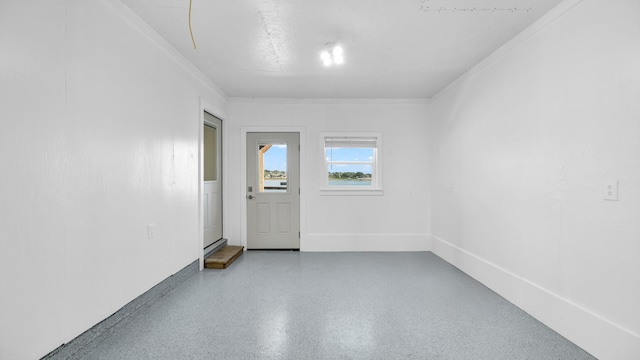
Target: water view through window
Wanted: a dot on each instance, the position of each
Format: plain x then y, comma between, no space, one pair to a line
272,164
349,166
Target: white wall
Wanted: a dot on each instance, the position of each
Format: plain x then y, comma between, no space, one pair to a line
100,126
394,221
522,146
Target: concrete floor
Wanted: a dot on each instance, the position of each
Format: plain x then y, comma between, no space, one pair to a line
291,305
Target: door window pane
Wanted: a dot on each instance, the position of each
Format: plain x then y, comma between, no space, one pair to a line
272,168
210,153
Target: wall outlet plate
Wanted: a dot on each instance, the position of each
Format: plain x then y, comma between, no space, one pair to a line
151,231
610,190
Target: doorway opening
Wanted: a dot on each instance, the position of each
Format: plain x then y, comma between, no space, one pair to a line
212,184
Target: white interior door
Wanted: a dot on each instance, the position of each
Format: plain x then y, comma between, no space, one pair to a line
212,185
273,191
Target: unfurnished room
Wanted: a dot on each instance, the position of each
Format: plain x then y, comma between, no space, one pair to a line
321,179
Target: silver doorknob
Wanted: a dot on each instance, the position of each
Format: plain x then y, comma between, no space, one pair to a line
249,197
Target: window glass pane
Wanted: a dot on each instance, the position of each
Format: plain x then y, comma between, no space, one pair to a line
349,154
349,174
210,153
272,166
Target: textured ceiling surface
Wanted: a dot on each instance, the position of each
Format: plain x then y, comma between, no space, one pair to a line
393,48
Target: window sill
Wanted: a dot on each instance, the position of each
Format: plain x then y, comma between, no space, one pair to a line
350,192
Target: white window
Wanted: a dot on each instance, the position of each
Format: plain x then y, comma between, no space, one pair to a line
352,164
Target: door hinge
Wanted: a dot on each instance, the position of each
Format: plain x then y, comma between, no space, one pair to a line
298,234
298,147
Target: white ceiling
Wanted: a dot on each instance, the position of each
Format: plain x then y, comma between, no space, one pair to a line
393,48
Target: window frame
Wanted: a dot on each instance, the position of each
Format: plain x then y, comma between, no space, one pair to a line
376,165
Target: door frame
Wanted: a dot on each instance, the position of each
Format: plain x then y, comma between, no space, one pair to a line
217,112
213,122
243,175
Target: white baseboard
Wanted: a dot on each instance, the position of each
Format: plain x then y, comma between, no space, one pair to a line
365,242
597,335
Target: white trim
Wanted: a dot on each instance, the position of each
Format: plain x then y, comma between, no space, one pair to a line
596,334
243,175
349,101
391,242
205,105
509,46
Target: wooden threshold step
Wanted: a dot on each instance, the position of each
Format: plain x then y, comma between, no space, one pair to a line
222,258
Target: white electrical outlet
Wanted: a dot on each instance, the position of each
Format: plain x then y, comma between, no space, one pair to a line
151,231
610,190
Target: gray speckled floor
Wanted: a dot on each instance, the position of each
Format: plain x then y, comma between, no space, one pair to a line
291,305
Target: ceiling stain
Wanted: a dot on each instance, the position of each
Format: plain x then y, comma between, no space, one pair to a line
271,40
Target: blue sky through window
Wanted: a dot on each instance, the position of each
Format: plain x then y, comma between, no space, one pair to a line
276,158
349,154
